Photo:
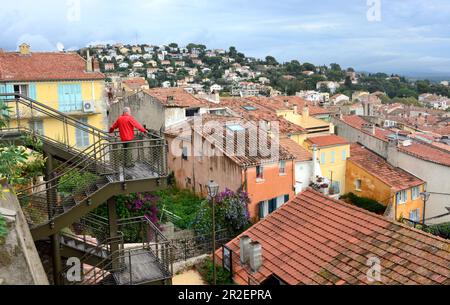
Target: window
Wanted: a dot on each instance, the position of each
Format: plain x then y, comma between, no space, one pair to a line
282,167
332,156
322,159
415,192
335,188
249,108
184,154
414,215
37,126
235,127
358,183
69,97
286,198
344,155
21,89
401,197
259,172
81,135
272,205
261,210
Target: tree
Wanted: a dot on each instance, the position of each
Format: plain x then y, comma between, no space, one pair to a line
232,52
173,45
271,61
308,67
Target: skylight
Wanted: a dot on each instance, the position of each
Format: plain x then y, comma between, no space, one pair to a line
249,108
235,127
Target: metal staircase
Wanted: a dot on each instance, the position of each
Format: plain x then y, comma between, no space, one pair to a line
115,168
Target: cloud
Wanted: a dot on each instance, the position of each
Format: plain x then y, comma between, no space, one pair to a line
320,32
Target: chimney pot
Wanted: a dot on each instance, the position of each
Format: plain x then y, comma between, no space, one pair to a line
24,49
255,256
244,249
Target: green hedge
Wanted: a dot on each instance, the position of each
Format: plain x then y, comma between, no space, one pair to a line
442,230
223,277
365,203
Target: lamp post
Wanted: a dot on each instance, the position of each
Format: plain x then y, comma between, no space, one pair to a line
213,189
425,196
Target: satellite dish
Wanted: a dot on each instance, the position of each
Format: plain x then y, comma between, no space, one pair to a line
60,47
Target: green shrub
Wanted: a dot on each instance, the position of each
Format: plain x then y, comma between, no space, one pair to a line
182,203
223,277
442,230
75,181
365,203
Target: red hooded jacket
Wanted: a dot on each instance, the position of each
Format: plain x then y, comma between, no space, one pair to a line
126,124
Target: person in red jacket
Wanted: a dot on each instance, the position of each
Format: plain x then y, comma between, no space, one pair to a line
126,124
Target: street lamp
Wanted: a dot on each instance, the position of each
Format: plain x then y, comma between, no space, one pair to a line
425,196
213,189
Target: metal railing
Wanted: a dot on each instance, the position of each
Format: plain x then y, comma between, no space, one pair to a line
186,248
151,248
24,112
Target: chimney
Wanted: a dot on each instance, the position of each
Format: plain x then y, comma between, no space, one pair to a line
170,99
255,256
89,65
24,49
244,245
96,65
305,113
295,109
286,103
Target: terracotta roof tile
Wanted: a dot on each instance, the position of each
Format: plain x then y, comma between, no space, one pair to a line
44,66
395,177
300,153
176,97
427,152
317,240
245,148
330,140
358,122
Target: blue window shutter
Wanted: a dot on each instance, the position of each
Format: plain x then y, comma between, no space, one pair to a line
332,156
322,161
2,91
344,155
261,210
32,91
286,198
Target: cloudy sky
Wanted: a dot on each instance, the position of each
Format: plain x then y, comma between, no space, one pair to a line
404,36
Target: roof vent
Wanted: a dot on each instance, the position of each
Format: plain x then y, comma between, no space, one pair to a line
255,256
170,99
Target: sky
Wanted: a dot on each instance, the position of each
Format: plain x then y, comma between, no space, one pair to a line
410,37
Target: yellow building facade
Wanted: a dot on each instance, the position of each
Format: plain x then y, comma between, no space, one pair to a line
370,176
65,82
332,154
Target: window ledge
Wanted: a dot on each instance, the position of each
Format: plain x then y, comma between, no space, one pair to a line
260,180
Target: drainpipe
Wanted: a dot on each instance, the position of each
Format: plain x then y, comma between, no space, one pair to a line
314,148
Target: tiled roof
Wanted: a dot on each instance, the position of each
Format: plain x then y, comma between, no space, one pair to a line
330,140
44,67
296,150
427,152
180,98
279,103
358,122
245,148
317,240
395,177
260,112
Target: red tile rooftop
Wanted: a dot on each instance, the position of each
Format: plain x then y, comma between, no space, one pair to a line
427,153
358,122
300,153
45,66
330,140
176,97
395,177
317,240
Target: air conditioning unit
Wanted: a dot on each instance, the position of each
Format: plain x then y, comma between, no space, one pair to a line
88,106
